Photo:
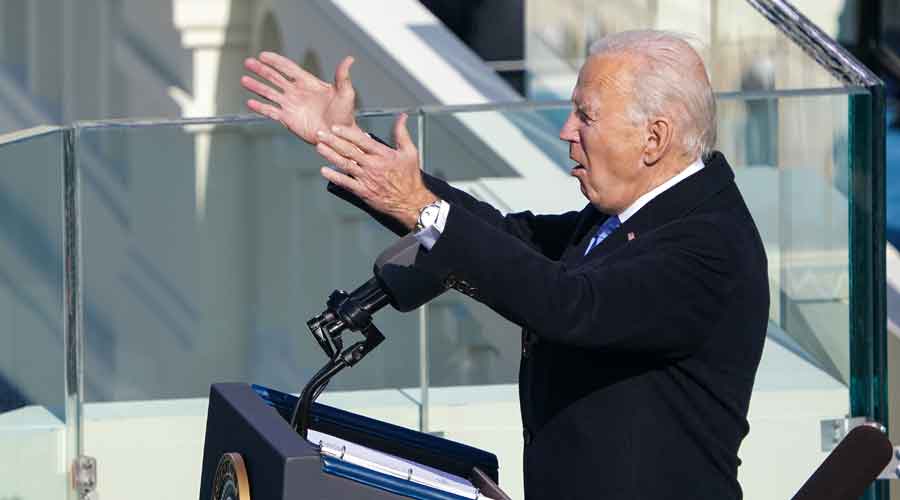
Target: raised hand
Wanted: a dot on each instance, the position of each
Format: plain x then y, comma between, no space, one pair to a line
302,103
388,180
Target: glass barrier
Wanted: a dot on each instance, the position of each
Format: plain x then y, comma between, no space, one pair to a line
33,444
791,157
206,248
207,244
219,241
742,49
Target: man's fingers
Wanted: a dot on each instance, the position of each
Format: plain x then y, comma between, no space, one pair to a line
342,180
360,139
264,109
346,165
266,73
338,160
288,68
261,89
401,134
342,75
343,147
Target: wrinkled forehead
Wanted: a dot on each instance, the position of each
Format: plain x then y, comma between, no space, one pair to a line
603,77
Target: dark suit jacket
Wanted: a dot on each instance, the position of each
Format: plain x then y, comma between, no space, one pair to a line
637,360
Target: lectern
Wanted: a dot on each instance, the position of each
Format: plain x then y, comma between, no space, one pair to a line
252,423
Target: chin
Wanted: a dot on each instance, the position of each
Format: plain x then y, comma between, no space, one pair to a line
583,190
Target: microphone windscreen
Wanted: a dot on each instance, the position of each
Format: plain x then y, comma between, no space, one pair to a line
851,467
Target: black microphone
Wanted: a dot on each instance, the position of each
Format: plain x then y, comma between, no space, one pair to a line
850,467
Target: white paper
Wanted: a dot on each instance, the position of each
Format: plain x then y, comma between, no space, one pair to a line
394,466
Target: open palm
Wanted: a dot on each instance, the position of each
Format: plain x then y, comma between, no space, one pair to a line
299,100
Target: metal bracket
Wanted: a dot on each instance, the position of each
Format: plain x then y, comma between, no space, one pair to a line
835,429
892,471
84,477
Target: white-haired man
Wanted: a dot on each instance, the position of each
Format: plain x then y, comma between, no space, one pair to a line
643,315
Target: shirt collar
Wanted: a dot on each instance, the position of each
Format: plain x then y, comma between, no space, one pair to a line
691,169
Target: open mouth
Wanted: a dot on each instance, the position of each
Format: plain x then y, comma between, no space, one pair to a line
577,167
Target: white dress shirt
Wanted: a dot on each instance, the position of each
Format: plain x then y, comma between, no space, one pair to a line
639,203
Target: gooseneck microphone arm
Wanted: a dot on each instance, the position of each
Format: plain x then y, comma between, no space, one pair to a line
300,419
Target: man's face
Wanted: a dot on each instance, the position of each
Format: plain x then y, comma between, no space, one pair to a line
604,143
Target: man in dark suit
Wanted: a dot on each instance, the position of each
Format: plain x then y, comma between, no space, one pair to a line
643,315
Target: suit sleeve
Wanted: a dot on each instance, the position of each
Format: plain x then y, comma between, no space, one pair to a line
662,301
546,234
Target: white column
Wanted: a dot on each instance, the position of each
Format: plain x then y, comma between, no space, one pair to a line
218,33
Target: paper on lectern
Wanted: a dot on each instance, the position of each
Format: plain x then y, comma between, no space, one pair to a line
393,466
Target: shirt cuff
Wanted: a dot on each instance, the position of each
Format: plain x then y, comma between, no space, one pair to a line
428,236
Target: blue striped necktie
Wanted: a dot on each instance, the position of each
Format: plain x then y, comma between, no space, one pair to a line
608,226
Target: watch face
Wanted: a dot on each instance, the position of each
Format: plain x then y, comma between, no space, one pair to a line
429,215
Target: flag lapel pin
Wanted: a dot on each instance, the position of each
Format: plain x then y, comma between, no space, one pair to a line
630,236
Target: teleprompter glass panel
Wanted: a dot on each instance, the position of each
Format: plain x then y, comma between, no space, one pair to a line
32,363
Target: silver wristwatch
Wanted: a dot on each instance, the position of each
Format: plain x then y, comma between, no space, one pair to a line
428,215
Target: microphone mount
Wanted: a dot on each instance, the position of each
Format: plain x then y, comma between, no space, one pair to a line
397,282
343,312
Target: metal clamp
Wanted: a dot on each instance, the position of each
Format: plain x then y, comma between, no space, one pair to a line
835,429
84,477
892,471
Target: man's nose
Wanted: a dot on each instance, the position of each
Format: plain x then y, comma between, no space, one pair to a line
569,130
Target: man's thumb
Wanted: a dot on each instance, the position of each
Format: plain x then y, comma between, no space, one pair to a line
401,135
342,75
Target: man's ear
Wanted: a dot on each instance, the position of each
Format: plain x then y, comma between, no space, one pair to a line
657,139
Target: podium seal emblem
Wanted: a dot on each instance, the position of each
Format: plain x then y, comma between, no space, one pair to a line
230,481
